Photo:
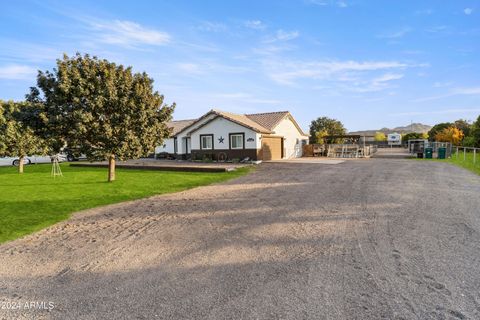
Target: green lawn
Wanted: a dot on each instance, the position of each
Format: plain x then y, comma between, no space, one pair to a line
35,200
459,161
468,162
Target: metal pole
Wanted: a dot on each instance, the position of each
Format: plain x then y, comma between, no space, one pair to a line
474,155
464,153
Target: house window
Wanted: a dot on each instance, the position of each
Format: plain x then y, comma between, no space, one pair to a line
206,142
236,140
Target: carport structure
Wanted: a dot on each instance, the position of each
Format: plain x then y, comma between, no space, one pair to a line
340,146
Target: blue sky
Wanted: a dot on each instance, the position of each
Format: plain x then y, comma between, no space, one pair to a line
370,64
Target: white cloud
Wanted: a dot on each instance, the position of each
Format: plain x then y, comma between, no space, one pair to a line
318,2
440,84
424,12
282,36
466,91
210,67
468,11
191,68
444,111
244,97
287,35
129,34
388,77
395,34
255,24
324,3
27,51
17,72
211,26
287,72
376,84
272,49
436,29
453,92
235,95
264,101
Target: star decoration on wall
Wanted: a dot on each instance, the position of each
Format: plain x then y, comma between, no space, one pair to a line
220,140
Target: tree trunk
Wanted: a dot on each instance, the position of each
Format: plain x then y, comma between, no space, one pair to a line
111,168
20,164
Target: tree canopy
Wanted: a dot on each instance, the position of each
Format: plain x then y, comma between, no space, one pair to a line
450,134
475,133
3,123
414,135
380,136
101,109
437,128
463,125
324,126
17,139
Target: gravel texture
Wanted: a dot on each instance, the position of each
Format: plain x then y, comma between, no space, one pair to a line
366,239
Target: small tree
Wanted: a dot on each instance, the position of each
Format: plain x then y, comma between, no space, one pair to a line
380,136
104,110
3,123
451,134
464,126
320,136
474,138
413,136
437,128
324,126
17,139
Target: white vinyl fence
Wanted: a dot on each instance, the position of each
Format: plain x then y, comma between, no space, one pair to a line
462,152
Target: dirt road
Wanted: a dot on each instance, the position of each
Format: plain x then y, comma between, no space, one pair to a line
367,239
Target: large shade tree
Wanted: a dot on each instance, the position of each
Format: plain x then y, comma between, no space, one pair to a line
323,127
101,109
17,138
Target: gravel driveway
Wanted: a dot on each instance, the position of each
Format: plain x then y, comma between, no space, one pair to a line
366,239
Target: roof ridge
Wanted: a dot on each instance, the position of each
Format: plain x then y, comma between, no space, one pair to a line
183,120
252,114
231,116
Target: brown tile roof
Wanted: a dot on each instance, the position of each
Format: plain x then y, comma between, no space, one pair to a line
259,122
268,120
243,120
179,125
271,119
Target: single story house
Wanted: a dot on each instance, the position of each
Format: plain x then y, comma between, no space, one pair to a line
221,135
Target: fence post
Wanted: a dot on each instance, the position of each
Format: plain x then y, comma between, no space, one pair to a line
456,153
464,153
474,155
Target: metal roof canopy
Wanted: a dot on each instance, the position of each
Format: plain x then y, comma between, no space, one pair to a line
351,137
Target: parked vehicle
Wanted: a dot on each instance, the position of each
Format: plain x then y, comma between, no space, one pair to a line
73,155
35,159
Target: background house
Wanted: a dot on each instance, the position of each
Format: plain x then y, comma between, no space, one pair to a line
224,135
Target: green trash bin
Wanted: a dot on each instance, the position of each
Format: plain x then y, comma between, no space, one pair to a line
442,153
428,153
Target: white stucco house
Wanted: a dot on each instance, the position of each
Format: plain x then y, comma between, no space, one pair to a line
221,135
